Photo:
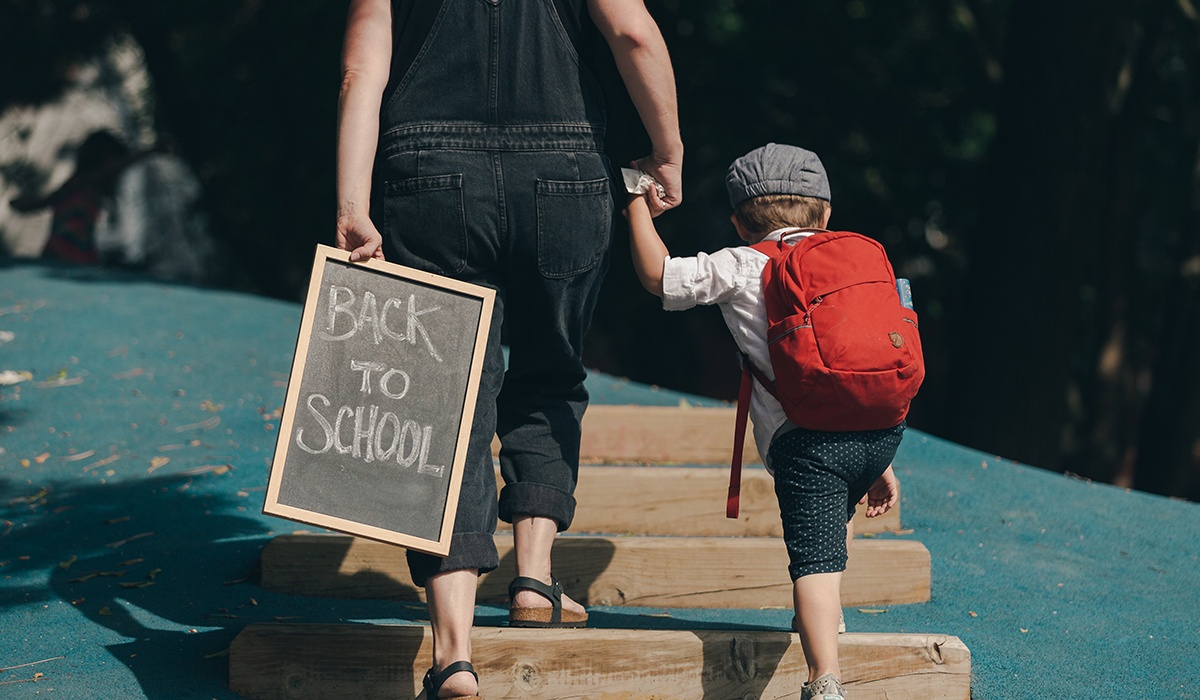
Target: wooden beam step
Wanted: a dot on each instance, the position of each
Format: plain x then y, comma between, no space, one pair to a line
677,572
285,661
685,501
659,435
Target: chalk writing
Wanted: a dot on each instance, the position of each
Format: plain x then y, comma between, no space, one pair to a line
341,305
367,367
373,437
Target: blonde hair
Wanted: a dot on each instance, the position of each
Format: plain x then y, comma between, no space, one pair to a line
761,215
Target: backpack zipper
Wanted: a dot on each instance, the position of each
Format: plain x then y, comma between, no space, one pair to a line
807,321
808,312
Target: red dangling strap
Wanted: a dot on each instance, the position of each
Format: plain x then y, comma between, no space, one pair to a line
739,442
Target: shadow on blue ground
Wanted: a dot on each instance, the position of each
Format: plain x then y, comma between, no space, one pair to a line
121,554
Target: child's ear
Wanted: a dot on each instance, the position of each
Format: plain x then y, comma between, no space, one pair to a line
737,225
825,219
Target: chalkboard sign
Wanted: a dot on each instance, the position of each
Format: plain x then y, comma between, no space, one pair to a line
380,400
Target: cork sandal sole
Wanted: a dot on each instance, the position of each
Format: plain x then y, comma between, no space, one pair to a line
551,617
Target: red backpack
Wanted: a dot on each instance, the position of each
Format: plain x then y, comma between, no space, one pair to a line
845,351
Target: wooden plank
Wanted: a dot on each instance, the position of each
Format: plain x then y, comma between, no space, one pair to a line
685,501
269,662
659,435
679,572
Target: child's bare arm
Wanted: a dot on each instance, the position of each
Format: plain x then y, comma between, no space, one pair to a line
648,250
883,494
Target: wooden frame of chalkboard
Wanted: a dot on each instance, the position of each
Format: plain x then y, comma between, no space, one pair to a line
380,401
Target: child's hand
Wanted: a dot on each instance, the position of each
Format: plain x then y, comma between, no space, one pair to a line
637,203
883,494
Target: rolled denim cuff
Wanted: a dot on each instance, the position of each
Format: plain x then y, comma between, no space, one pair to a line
539,500
468,550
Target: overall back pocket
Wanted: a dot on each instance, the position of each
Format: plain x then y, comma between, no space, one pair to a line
425,222
574,225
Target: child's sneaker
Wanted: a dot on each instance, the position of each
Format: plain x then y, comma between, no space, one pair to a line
824,688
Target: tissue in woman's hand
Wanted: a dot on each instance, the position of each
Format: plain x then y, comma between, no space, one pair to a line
638,182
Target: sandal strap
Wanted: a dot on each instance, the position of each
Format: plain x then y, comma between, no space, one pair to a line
433,682
553,593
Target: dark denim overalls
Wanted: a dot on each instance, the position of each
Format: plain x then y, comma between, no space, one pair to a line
491,170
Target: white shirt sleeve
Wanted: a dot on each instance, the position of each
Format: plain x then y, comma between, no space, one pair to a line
704,279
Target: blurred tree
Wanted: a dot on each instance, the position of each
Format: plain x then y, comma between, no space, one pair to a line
1168,448
1053,349
246,88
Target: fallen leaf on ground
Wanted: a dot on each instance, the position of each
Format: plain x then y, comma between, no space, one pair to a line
106,461
106,610
131,562
67,564
204,424
29,499
872,611
127,540
207,469
41,459
157,463
63,381
116,521
94,574
77,457
130,374
137,584
10,376
31,663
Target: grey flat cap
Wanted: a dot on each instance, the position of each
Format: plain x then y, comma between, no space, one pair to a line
776,169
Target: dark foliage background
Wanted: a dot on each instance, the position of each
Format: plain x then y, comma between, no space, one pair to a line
1033,167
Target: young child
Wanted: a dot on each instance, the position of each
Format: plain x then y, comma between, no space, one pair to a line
780,191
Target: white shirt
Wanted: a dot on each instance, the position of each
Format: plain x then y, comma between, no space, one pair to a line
731,278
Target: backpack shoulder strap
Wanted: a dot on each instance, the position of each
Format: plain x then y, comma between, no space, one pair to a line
733,501
771,249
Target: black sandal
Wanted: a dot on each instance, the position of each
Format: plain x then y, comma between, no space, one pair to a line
553,616
432,683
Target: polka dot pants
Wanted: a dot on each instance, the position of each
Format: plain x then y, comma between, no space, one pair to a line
819,479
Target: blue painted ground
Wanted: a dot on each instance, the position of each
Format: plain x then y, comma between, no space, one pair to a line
128,546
